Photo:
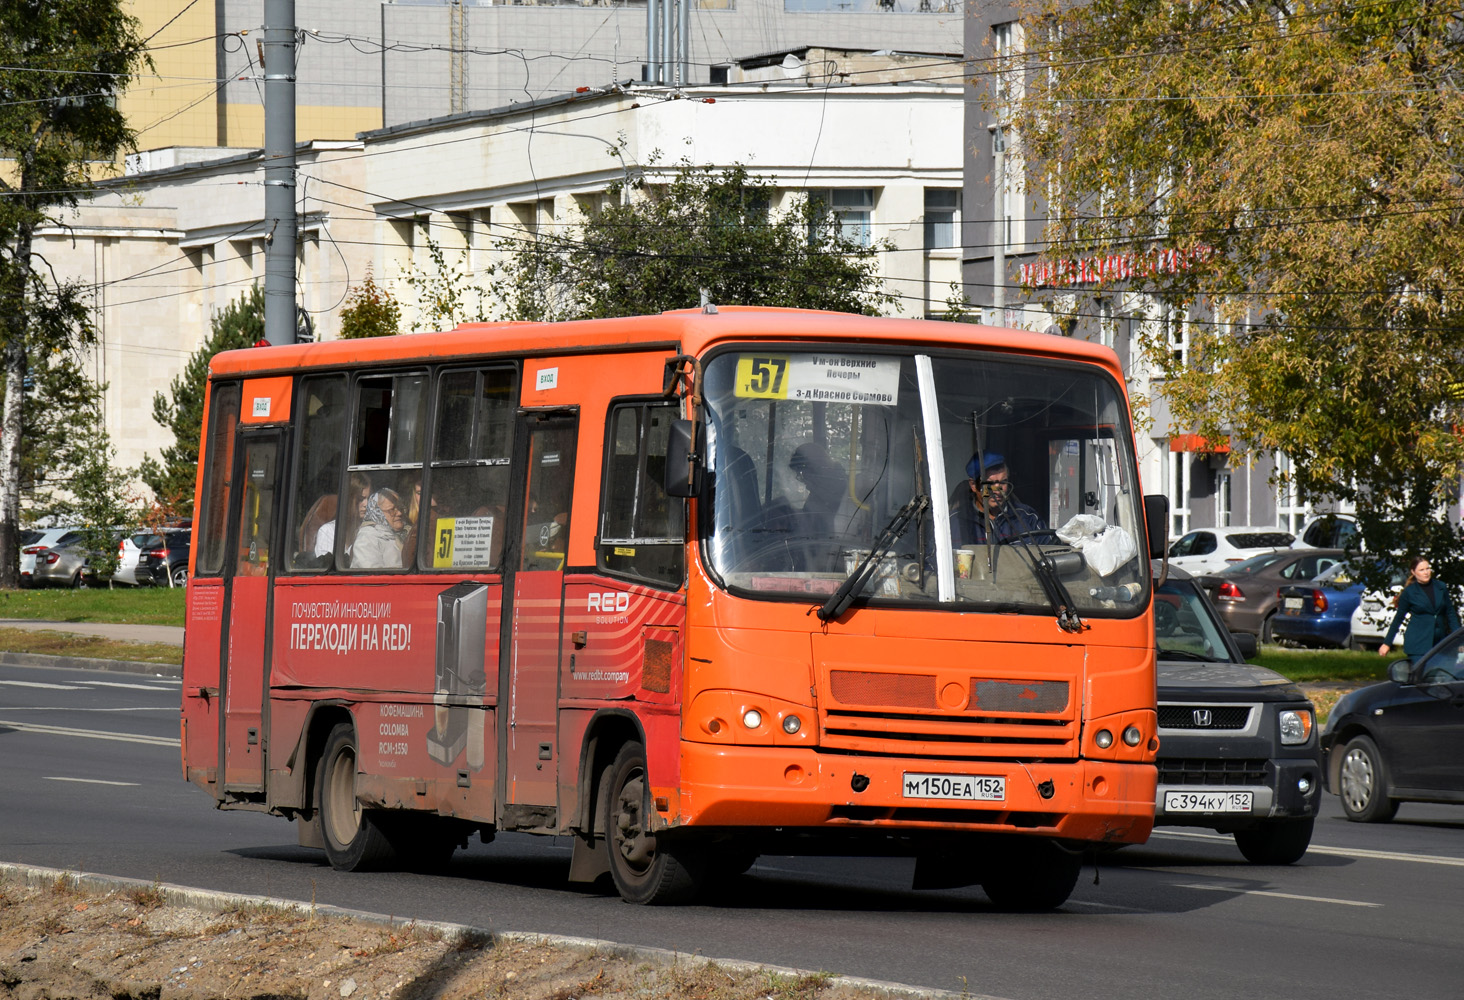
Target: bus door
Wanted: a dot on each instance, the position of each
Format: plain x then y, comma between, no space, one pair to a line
528,701
245,640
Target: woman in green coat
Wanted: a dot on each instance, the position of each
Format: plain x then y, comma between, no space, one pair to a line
1426,605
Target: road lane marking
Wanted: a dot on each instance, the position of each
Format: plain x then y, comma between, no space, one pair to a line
41,684
133,687
1340,852
1279,895
91,734
93,781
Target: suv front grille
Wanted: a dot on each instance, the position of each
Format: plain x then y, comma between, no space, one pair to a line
1207,771
1196,716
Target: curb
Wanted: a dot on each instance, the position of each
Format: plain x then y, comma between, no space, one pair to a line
211,901
83,663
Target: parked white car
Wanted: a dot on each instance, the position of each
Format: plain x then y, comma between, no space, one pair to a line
1210,550
1330,531
129,556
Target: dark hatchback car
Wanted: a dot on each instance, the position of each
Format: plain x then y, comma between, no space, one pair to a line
1246,594
1402,739
164,555
1237,748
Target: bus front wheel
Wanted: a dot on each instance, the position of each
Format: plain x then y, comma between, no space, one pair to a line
354,840
1031,874
645,870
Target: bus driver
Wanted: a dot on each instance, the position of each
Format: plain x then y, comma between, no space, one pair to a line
989,502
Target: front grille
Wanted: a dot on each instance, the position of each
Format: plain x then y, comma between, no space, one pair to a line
913,714
943,735
1228,717
1208,771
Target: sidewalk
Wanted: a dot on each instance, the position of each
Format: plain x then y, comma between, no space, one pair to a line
170,635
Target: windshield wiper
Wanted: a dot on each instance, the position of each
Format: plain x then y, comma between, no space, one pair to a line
1045,570
855,582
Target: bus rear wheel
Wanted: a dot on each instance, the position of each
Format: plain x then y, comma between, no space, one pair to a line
1031,874
644,869
354,839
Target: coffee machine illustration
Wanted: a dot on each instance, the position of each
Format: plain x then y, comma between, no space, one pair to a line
462,682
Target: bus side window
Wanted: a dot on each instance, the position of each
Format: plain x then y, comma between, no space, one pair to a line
384,481
642,530
219,454
463,522
315,503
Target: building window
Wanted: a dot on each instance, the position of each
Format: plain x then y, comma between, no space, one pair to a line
942,208
1175,325
1107,325
850,209
1290,511
1178,481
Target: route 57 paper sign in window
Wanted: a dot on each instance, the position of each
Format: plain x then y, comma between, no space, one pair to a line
819,378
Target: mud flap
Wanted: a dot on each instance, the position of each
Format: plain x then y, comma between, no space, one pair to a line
308,831
590,859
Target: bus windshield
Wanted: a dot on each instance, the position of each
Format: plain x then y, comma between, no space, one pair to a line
1031,499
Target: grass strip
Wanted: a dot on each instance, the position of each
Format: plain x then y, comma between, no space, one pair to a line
1340,665
48,643
122,605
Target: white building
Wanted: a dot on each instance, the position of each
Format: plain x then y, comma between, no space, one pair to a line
183,234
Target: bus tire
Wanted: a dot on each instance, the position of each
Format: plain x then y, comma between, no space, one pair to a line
354,839
645,871
1031,874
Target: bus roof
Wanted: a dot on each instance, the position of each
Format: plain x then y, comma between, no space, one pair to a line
687,331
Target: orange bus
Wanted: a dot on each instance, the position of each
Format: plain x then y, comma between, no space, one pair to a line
688,588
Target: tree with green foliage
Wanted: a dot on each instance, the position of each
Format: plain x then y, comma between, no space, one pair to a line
172,476
99,497
1301,164
62,63
656,246
370,311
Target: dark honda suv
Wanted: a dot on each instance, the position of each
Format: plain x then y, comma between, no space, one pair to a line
1238,749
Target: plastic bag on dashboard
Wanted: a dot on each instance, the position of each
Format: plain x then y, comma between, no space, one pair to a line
1105,547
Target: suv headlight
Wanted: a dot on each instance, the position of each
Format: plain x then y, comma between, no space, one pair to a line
1296,726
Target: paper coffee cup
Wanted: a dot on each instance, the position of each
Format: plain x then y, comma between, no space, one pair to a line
964,559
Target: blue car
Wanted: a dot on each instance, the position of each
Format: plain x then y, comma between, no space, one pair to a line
1319,612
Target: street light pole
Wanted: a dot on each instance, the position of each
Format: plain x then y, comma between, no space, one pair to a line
279,171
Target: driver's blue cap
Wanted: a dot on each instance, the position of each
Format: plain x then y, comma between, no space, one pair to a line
994,460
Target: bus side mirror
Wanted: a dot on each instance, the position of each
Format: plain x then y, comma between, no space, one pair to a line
683,464
1156,523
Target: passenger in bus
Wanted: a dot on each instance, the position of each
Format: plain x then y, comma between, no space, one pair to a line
414,510
987,506
378,543
360,491
826,484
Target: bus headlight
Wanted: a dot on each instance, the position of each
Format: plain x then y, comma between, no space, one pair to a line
752,719
1296,726
1103,738
791,724
1132,736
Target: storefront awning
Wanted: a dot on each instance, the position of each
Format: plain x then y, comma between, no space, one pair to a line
1199,443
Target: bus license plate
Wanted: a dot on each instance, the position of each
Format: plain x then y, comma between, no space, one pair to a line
1208,802
964,787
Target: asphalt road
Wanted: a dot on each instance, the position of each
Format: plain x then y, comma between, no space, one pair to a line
92,781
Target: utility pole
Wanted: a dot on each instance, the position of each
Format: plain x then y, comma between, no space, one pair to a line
279,171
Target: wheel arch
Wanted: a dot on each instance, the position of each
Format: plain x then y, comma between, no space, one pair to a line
1348,732
609,729
323,717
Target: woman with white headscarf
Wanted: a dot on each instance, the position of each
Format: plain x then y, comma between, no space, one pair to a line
378,543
